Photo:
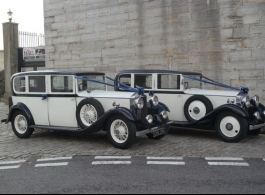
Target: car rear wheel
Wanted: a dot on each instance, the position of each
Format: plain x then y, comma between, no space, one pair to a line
20,125
121,132
88,112
231,127
196,107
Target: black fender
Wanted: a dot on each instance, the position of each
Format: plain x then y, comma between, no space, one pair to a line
102,121
165,106
209,119
21,107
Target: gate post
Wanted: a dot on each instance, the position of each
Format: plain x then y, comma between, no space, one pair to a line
10,33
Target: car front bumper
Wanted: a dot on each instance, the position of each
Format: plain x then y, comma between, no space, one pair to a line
254,127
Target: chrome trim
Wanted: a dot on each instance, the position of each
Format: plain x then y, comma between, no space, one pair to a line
261,126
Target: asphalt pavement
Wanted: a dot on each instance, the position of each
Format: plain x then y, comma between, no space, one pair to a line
179,142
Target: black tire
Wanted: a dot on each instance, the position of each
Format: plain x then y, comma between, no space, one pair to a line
204,100
131,129
230,118
95,105
18,126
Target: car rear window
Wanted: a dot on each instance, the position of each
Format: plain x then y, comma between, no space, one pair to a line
20,84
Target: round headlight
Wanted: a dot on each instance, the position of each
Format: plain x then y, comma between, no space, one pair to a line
255,101
155,100
246,101
257,116
139,103
164,114
150,119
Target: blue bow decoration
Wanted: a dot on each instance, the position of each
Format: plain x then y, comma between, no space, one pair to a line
244,90
140,90
44,97
151,94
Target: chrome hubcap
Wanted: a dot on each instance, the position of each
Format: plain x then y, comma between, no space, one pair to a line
119,131
21,124
88,115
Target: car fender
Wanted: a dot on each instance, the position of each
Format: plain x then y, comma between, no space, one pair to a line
164,106
101,122
209,119
22,107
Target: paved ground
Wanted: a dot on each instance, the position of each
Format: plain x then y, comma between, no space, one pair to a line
179,142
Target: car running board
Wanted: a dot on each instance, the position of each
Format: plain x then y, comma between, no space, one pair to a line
55,128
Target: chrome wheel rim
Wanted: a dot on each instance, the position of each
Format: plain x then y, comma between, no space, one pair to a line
119,131
21,124
197,110
88,115
230,126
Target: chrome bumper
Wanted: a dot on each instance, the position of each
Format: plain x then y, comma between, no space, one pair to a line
155,129
261,126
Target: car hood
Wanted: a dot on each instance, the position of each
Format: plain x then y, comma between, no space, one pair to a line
212,92
107,94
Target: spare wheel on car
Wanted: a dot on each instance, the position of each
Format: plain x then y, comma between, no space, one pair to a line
196,107
88,111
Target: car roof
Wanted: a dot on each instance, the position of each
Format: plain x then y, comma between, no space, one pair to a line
158,71
61,72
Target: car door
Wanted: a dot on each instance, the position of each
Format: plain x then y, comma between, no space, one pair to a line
169,90
62,101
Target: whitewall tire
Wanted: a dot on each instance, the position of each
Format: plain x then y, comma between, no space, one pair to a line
20,125
231,127
121,132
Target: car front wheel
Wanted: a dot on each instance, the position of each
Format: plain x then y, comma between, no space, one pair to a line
20,125
121,132
231,127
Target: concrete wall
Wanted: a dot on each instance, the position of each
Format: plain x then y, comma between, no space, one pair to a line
1,59
223,39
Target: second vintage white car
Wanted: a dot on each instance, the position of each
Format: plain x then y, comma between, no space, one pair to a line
230,112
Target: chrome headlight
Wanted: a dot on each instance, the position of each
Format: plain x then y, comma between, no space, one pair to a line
246,101
150,119
255,101
139,103
155,100
257,116
164,114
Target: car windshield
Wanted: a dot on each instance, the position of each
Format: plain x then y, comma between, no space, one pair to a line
190,83
84,85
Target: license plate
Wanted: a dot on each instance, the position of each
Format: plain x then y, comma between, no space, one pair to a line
159,132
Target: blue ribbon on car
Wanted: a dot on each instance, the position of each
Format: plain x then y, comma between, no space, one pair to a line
44,97
138,89
243,90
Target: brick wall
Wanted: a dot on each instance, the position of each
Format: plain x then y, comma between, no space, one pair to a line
1,59
223,39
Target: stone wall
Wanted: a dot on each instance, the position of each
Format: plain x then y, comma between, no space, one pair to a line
1,59
223,39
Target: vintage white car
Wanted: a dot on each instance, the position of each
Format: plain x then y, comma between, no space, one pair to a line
78,101
230,112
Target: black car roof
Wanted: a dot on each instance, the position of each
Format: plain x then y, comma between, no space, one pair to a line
54,72
158,71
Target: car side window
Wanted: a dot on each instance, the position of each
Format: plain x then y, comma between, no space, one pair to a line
126,79
62,84
20,84
37,84
143,80
168,81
